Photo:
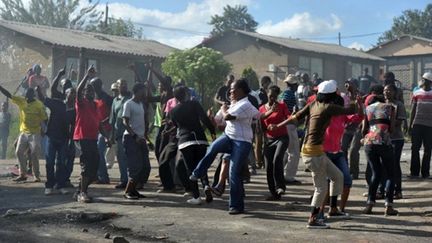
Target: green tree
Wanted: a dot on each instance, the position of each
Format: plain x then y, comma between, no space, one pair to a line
201,68
250,74
57,13
413,22
236,17
117,27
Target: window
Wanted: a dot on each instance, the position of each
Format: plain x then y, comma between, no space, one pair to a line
357,69
311,65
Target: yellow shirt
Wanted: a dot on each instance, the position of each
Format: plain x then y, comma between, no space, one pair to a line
31,114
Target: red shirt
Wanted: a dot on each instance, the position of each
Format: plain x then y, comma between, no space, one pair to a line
311,99
87,120
104,112
335,131
277,117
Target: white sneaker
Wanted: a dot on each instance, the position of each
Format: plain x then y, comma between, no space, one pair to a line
194,201
49,191
63,191
187,194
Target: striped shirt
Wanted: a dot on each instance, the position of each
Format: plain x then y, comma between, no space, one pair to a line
289,97
423,115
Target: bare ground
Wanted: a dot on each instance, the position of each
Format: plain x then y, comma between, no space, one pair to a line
167,218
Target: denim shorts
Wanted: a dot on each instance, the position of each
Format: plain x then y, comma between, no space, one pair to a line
340,161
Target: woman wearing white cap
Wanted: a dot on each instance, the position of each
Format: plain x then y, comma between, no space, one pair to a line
320,112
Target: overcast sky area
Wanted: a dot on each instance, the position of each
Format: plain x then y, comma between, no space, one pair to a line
315,20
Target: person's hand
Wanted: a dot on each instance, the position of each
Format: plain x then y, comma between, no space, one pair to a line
210,112
62,72
91,70
271,127
409,131
37,89
405,127
225,107
213,136
108,142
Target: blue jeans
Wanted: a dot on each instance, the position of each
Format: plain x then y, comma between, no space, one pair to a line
239,151
381,159
102,172
122,161
138,161
341,163
55,163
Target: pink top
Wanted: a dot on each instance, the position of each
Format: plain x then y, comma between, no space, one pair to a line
335,131
171,103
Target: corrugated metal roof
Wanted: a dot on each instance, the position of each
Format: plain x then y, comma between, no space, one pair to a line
324,48
89,40
400,37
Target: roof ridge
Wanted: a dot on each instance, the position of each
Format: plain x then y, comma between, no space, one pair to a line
75,30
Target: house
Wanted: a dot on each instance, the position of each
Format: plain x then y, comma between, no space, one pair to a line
276,56
22,45
408,57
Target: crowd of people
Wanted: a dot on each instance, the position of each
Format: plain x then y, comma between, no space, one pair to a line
314,120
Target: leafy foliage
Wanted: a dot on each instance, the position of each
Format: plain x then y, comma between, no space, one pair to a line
201,68
413,22
250,74
236,17
117,27
61,13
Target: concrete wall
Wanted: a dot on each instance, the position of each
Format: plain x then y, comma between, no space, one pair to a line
17,54
243,51
406,46
110,67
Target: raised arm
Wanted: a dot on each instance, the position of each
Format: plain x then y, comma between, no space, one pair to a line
56,81
83,82
5,92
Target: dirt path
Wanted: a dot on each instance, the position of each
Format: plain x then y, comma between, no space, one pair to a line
167,218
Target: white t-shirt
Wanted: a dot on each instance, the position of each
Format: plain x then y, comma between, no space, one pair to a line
135,112
240,128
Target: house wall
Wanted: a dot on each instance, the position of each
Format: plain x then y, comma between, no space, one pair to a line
110,67
403,47
18,53
243,51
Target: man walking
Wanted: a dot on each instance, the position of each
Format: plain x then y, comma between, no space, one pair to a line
421,127
134,140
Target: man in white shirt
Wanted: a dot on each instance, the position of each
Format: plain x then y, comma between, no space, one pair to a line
134,141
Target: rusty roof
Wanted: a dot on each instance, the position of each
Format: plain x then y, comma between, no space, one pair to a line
89,40
317,47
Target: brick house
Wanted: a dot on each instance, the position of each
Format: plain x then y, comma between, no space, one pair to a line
22,45
408,57
276,56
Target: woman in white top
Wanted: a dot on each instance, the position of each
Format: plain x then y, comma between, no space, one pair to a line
236,140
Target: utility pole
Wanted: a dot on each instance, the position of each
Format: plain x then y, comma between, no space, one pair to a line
106,16
339,38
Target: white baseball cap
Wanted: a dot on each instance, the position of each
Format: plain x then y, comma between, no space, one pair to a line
427,76
327,87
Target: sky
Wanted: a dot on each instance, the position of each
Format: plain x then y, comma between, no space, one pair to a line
315,20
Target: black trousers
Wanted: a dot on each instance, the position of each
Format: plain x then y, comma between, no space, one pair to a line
192,156
89,159
168,154
274,151
421,135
